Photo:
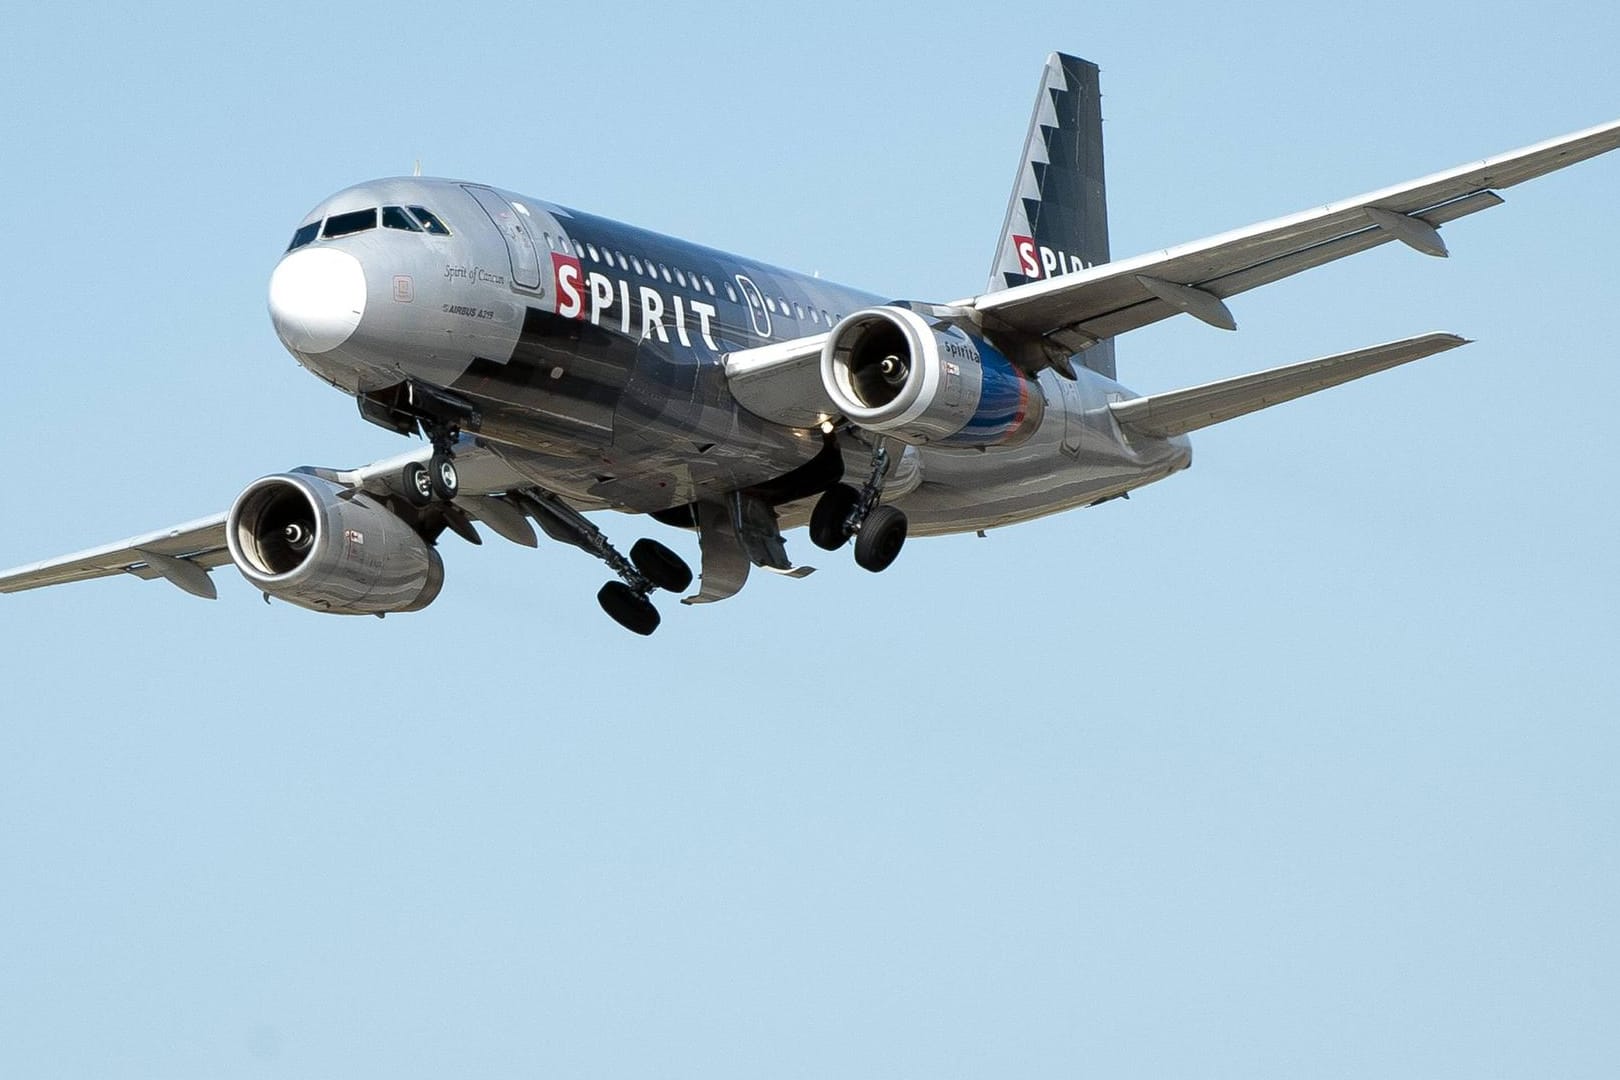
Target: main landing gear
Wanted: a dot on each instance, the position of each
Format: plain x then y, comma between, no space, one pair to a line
844,511
437,479
651,565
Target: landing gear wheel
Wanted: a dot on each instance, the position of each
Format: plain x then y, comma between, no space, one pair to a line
661,566
628,608
880,539
832,511
442,476
415,484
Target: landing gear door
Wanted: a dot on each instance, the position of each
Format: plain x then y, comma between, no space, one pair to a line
508,218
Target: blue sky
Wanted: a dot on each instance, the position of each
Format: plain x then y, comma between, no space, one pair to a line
1300,762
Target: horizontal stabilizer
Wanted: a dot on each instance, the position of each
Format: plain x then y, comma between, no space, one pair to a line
1180,411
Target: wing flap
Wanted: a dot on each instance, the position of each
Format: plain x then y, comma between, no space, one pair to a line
1180,411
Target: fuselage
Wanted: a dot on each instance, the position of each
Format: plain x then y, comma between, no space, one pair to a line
593,352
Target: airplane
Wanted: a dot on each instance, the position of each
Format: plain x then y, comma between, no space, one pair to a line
558,363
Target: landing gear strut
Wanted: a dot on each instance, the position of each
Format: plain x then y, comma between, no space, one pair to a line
650,566
844,511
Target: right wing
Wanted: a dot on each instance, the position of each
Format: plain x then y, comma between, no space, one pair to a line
1073,311
1180,411
184,554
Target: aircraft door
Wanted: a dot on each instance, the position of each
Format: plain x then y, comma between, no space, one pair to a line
756,306
508,218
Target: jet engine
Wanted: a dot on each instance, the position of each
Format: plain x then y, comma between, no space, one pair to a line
889,370
326,547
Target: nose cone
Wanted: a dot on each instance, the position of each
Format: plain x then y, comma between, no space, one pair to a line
317,296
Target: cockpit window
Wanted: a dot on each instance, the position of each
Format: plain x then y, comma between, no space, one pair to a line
395,217
430,221
352,222
304,235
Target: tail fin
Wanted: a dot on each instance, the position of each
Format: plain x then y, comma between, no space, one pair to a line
1057,217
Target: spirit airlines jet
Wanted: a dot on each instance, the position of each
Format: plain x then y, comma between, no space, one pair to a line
558,363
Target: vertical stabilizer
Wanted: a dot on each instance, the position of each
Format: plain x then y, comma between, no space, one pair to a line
1057,217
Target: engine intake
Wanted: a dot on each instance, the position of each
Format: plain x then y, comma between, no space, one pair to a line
319,545
888,370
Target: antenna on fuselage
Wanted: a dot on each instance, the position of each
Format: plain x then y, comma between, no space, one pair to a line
417,171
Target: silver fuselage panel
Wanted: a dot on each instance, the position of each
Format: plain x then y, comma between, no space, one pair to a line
593,352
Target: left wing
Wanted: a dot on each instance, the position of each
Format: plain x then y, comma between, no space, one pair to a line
781,381
1073,311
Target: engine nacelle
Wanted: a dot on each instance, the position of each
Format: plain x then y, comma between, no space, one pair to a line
322,546
889,371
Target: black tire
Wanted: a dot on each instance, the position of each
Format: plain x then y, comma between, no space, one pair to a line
880,539
661,566
413,481
442,476
628,608
827,519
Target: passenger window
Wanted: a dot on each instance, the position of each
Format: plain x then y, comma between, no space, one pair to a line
592,249
708,286
662,269
624,264
680,278
350,223
304,235
430,221
771,304
731,294
635,262
395,217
